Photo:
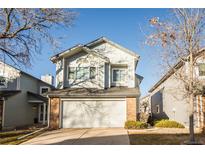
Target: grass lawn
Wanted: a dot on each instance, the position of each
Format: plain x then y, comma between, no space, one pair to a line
164,138
10,137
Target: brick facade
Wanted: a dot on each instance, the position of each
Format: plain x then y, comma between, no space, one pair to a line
54,113
200,114
131,108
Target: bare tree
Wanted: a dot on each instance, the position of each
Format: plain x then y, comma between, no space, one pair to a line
181,39
23,30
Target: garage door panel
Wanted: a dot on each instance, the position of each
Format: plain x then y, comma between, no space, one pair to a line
81,114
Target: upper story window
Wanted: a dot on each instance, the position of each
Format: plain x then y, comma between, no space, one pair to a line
3,83
81,73
118,75
44,90
202,69
71,72
92,72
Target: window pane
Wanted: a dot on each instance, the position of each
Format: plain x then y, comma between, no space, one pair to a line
71,73
116,75
82,73
119,75
122,75
92,72
2,81
201,69
157,106
44,90
41,117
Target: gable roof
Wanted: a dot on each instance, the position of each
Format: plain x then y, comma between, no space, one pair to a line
106,40
28,74
75,50
171,71
166,76
87,47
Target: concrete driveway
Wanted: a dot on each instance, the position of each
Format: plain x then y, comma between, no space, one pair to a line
90,136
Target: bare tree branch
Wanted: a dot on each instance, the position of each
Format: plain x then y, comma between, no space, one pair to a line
181,41
23,30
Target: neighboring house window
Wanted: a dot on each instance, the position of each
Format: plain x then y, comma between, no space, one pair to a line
3,83
157,108
118,75
44,90
92,72
71,72
201,69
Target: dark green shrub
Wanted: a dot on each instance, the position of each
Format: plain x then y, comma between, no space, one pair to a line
168,124
135,125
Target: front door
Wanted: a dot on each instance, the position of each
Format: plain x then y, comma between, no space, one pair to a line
42,113
1,113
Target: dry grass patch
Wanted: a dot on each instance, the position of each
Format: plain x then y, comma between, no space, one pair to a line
11,137
162,137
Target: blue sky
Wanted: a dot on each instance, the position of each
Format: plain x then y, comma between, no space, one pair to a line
124,26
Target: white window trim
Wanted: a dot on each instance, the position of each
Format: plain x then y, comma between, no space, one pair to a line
44,113
41,87
6,84
118,69
95,74
198,70
67,76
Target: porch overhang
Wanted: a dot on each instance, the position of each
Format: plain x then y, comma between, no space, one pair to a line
34,98
8,93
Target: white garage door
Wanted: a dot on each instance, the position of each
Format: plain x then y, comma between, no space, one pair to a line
93,113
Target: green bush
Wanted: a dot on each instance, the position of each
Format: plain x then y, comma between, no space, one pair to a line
135,125
168,124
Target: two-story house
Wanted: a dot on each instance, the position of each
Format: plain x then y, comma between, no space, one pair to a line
169,98
98,86
22,100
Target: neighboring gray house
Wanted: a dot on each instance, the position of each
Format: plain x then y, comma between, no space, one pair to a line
168,97
98,86
22,100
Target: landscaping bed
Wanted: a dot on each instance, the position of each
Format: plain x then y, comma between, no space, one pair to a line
165,123
135,125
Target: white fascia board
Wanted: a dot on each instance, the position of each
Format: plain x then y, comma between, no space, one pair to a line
94,99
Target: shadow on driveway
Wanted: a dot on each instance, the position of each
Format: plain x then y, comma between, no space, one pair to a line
89,136
103,140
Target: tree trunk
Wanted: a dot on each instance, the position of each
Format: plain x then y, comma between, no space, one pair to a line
191,100
191,119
